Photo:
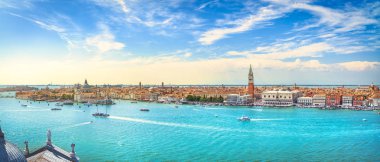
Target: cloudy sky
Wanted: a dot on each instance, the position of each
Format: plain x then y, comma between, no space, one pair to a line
189,42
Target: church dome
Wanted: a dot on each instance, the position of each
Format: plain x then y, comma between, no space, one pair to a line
9,152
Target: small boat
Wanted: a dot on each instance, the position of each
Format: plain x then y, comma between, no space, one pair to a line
53,109
134,102
24,105
144,109
175,106
244,118
98,114
68,102
364,119
59,104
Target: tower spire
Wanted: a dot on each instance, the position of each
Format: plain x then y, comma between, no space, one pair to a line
251,86
250,69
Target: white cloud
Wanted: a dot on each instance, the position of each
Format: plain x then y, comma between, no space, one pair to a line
280,53
339,20
123,6
359,65
220,70
188,54
104,42
264,14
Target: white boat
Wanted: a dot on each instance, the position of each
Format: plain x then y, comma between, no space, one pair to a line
364,119
59,104
244,118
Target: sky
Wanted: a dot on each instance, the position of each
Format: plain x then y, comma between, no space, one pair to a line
189,41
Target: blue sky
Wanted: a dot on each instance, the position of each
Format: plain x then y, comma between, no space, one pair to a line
189,42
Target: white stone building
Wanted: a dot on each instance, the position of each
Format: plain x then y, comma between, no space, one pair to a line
346,101
305,101
319,100
279,97
232,99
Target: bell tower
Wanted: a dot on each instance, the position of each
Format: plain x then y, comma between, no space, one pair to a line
251,86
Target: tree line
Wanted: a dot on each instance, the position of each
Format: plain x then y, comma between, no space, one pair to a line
193,98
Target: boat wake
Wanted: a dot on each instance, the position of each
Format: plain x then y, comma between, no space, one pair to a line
75,125
265,119
167,123
177,124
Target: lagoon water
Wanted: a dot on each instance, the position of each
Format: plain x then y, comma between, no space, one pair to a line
194,133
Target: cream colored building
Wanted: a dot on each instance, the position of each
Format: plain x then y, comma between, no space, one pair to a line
280,97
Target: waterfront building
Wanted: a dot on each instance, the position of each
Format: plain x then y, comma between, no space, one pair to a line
47,153
346,100
251,85
333,99
245,99
359,100
319,100
236,99
376,100
153,96
232,99
280,97
305,101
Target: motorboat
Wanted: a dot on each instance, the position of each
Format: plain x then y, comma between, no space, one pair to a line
134,102
144,109
24,105
53,109
59,104
244,118
68,102
364,119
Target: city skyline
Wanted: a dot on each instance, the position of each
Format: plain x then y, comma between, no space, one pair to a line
181,42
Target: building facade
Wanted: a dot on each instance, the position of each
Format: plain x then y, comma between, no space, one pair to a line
333,99
346,101
319,100
305,101
279,97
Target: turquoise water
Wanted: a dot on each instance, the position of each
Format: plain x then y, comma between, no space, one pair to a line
193,133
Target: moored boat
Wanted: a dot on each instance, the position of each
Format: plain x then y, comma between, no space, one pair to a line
144,109
53,109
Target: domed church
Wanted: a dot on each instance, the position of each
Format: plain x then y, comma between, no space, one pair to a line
48,153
